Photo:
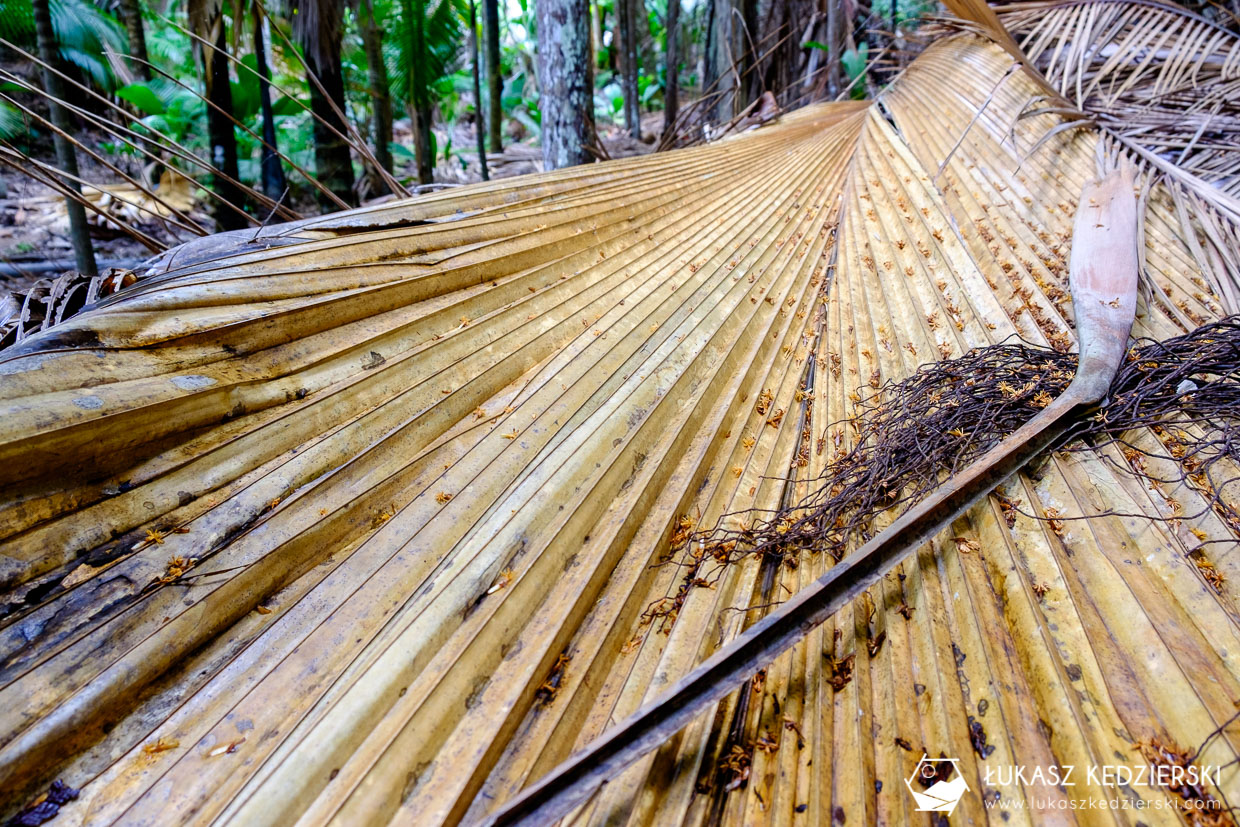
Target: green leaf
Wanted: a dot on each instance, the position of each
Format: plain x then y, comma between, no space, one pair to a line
245,90
814,44
12,123
854,61
142,97
284,105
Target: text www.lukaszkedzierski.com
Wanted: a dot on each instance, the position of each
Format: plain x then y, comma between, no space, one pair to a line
994,802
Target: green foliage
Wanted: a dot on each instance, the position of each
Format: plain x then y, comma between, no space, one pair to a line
165,108
12,124
85,34
854,62
424,53
142,97
427,36
910,10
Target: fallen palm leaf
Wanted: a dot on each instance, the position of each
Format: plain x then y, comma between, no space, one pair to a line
1104,268
306,363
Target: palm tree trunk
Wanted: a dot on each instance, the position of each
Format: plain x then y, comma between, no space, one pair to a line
495,80
274,182
751,84
626,14
380,90
596,32
725,58
419,92
671,71
130,12
710,63
835,47
566,81
423,144
66,158
220,132
479,126
332,161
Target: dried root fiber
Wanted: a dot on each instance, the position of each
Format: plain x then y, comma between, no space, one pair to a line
908,436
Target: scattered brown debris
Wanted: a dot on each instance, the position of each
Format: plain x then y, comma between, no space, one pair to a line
977,737
965,546
160,745
767,743
1207,569
735,766
1174,768
841,671
792,725
546,693
176,568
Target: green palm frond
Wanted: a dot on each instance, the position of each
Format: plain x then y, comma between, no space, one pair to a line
427,52
12,123
86,34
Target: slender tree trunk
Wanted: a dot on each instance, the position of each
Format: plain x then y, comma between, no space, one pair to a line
747,41
66,157
419,93
274,182
495,80
131,15
596,32
726,58
380,90
671,71
566,82
479,123
710,49
835,46
220,132
629,67
423,145
332,161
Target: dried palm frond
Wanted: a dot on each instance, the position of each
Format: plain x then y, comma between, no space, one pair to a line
355,518
49,302
1153,73
1161,81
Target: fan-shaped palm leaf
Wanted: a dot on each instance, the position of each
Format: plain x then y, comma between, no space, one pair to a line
86,34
